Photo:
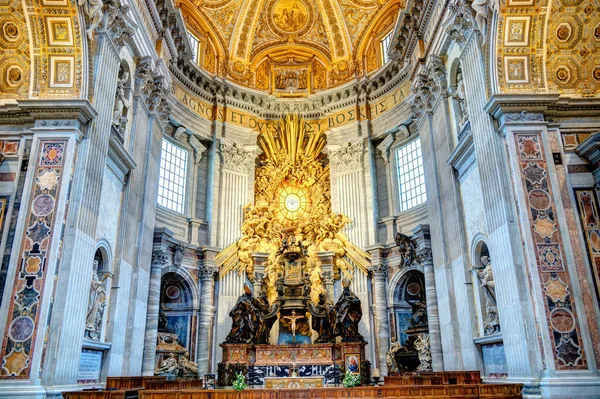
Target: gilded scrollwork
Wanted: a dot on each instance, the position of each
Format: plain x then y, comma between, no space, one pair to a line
296,171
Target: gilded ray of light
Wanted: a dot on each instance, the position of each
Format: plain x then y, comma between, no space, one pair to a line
292,197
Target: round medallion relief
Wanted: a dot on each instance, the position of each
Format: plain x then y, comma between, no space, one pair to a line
21,328
290,17
413,288
42,205
562,320
172,292
595,241
539,200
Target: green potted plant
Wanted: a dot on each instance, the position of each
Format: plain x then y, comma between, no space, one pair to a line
351,379
239,384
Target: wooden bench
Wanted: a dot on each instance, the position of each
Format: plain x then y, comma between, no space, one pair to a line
173,384
448,391
116,388
434,378
94,395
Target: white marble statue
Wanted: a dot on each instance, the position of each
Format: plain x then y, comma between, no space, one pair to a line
187,366
96,305
422,345
390,356
485,276
482,9
168,366
122,104
93,10
460,96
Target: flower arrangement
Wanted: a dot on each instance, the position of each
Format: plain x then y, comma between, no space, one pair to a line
240,382
351,379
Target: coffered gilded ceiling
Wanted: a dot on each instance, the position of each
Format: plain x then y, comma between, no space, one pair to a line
250,39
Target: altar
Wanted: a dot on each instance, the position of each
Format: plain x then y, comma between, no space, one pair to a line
293,382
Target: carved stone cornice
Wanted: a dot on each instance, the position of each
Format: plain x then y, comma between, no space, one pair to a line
347,158
118,25
379,271
236,158
460,24
207,272
160,257
384,147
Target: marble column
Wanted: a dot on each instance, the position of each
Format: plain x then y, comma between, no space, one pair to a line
159,259
326,259
206,273
259,258
382,326
425,258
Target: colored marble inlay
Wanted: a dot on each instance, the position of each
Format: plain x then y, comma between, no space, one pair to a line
588,211
32,266
559,304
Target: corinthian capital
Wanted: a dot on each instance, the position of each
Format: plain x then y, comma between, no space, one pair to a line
235,157
117,24
348,157
460,24
159,257
207,272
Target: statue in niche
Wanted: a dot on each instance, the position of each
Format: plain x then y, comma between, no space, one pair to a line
459,95
390,356
169,366
406,249
122,104
263,325
244,319
323,325
186,365
96,305
419,316
307,287
485,276
348,312
178,256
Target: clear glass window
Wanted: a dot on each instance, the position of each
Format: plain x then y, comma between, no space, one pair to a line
385,46
195,43
171,181
411,178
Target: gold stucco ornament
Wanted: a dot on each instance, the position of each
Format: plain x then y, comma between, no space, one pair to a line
292,198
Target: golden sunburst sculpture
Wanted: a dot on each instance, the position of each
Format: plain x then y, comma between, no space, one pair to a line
292,198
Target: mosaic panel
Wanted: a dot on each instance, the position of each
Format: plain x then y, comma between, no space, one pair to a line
590,221
32,265
558,302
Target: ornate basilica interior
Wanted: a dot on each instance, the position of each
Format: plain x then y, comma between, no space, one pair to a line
294,190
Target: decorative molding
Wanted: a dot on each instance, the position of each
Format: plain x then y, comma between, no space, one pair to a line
347,158
384,147
460,25
236,158
463,155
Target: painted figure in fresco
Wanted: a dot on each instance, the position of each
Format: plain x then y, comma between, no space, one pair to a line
390,356
168,366
323,325
243,316
353,365
263,328
348,312
187,366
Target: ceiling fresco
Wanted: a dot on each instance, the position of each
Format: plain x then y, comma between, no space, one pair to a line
277,44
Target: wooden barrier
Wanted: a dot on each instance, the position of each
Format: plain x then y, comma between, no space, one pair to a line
447,391
173,384
94,395
128,383
434,378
